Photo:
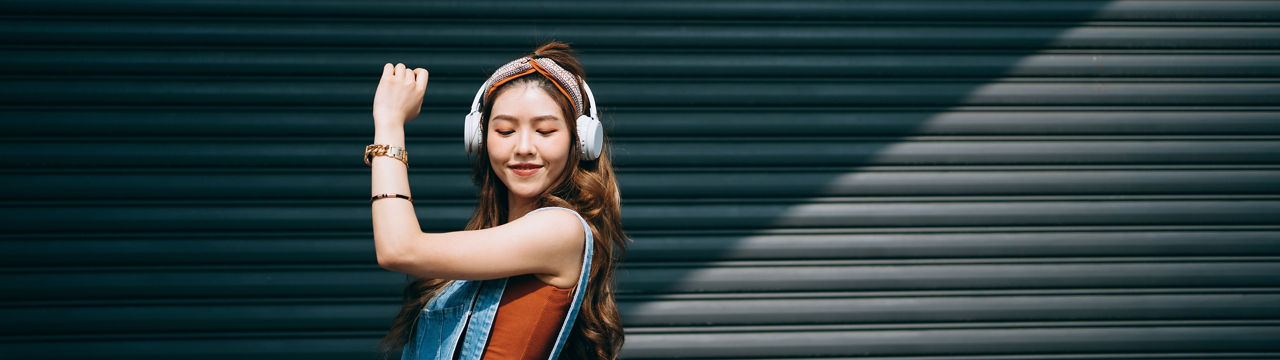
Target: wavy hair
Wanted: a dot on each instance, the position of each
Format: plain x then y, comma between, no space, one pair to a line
590,188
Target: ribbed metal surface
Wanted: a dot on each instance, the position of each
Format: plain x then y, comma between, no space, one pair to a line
814,179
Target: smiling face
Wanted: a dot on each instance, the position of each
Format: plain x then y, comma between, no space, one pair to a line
527,140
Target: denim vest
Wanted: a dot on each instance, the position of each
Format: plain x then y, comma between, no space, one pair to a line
470,306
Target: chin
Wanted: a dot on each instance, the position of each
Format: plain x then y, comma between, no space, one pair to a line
524,191
523,194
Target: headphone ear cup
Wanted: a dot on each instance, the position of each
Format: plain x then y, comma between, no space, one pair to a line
590,136
471,136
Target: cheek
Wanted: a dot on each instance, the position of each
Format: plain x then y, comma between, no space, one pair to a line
558,148
560,156
494,143
497,157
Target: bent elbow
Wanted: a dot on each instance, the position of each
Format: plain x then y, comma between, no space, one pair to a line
408,257
390,257
388,261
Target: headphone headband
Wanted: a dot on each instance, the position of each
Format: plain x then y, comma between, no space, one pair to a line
564,81
590,133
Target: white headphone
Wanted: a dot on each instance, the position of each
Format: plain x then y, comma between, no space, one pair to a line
590,133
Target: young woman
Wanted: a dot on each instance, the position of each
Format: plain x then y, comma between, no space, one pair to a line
531,277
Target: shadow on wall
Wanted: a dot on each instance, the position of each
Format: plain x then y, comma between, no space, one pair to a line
930,166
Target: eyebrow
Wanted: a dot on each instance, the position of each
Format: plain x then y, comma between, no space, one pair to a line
535,119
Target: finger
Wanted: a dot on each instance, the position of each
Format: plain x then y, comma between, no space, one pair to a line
388,70
400,70
422,78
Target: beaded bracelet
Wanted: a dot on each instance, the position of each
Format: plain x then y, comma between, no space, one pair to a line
387,195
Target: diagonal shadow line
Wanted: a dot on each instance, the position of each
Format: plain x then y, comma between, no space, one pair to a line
885,126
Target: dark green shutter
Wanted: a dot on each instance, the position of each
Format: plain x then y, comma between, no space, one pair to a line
875,179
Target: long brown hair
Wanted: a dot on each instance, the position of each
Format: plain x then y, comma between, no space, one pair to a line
590,188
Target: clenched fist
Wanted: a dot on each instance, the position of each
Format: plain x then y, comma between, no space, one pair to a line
399,95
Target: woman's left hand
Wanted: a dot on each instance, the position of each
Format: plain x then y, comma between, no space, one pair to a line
399,95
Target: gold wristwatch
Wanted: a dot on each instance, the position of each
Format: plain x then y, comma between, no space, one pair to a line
395,152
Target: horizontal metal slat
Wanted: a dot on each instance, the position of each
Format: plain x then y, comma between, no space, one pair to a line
248,153
187,249
304,248
371,316
734,10
612,64
998,213
1018,343
948,309
207,283
1222,355
210,316
647,34
639,215
670,278
646,247
983,183
339,346
244,282
1046,341
659,247
623,122
438,184
435,184
767,93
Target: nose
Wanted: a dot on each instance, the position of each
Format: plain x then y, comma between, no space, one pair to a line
524,144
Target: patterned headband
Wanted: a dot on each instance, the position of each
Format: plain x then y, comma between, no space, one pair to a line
563,80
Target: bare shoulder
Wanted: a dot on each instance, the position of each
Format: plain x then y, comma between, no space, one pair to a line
560,231
555,225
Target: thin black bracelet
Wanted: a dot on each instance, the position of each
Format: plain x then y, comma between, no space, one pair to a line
387,195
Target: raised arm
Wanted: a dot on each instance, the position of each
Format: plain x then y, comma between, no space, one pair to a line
398,99
546,242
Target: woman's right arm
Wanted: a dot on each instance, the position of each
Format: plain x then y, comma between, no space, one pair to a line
397,100
546,242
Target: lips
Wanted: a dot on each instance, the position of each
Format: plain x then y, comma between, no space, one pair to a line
525,169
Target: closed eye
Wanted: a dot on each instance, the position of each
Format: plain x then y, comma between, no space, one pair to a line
504,133
546,132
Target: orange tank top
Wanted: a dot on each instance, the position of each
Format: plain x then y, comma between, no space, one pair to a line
528,319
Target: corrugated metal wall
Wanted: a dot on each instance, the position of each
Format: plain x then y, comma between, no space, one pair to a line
879,179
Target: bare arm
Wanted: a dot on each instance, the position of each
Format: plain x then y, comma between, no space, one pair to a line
393,218
398,100
545,242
